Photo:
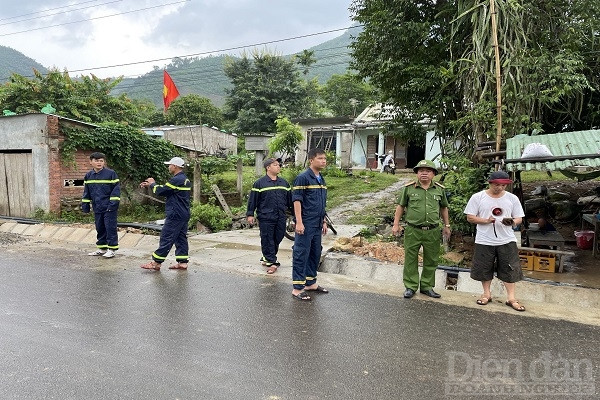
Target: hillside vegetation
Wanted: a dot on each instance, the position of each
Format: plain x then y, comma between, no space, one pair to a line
12,61
202,76
205,76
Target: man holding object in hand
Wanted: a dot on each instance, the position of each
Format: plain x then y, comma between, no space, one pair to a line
495,211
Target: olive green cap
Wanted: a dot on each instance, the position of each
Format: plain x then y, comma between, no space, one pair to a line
425,164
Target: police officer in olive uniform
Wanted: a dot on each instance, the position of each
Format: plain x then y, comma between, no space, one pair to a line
422,202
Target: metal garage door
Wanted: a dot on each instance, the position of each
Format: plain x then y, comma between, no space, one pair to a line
16,184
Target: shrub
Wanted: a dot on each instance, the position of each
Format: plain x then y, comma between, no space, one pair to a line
209,215
461,180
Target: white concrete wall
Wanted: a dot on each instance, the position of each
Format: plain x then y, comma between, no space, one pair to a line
433,148
359,148
29,132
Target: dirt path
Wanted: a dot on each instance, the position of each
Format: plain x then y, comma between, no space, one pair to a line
340,214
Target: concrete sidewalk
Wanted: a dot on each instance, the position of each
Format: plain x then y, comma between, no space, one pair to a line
240,251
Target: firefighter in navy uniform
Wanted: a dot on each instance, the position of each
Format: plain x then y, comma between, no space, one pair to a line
271,199
422,202
177,191
102,191
309,198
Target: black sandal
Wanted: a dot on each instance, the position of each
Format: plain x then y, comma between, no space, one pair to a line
302,296
319,289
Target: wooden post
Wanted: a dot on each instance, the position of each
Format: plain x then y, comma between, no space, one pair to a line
498,76
221,199
240,178
197,180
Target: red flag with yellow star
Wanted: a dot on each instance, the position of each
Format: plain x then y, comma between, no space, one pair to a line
170,91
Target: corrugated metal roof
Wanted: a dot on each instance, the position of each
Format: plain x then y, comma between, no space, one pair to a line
562,145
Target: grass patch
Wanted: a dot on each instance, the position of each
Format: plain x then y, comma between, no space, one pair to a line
341,190
373,215
535,176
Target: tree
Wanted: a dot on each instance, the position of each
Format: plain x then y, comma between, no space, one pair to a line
305,59
287,138
86,98
345,94
193,110
435,59
264,88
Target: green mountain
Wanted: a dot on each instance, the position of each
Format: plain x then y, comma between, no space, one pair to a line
202,76
14,62
206,78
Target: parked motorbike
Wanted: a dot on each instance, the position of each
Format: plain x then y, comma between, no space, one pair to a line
390,168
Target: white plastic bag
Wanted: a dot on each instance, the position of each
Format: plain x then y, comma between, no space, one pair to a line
536,150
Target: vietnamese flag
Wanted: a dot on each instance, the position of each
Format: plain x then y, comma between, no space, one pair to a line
170,91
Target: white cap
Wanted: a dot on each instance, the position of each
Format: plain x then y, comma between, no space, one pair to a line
390,152
178,161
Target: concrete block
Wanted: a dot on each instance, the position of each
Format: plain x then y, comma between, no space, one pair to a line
440,280
48,231
90,238
148,241
77,235
19,228
8,226
389,273
33,230
63,233
343,264
129,239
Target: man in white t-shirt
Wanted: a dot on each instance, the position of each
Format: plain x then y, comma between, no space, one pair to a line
496,211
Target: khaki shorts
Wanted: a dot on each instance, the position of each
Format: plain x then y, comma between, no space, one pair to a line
503,259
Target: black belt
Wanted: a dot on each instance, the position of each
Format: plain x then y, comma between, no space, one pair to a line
423,227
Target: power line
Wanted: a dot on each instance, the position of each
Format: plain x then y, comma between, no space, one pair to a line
58,13
43,11
94,18
182,81
200,72
217,51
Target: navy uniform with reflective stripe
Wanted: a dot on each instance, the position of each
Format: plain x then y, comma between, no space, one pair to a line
311,191
102,191
174,232
271,199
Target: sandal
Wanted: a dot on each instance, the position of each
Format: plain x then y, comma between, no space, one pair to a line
482,301
272,269
319,289
151,265
302,296
178,266
514,304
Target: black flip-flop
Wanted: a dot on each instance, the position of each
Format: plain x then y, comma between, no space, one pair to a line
319,289
302,296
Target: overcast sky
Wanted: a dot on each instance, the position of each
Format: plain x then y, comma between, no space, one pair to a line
115,32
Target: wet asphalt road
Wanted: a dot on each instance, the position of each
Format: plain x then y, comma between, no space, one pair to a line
78,327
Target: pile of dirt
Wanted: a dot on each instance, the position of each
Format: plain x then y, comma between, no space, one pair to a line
10,238
383,251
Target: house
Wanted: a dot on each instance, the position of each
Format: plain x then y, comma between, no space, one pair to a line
32,174
356,141
200,138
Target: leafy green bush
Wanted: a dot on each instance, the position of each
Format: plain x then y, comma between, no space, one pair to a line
134,155
290,173
461,180
209,215
215,165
